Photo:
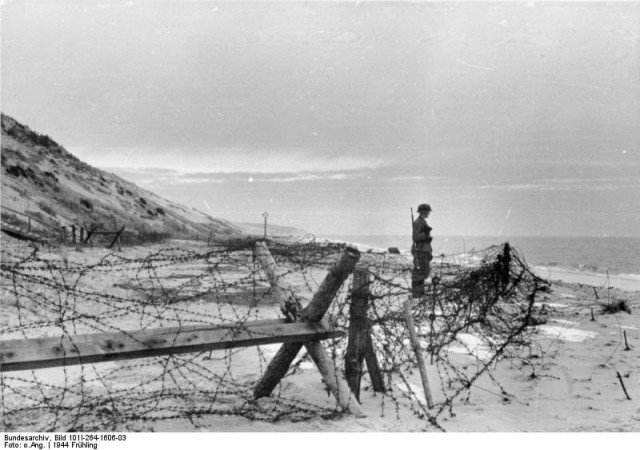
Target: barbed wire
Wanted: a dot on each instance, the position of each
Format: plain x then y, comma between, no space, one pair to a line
478,309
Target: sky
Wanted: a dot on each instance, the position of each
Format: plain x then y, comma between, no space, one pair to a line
508,118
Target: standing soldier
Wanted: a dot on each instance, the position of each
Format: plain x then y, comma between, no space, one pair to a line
421,250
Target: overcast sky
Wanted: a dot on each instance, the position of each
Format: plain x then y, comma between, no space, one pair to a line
508,118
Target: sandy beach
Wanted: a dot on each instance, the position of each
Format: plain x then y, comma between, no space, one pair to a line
625,283
568,379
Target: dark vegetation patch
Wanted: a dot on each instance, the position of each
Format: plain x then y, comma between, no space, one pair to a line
51,175
616,306
86,203
18,171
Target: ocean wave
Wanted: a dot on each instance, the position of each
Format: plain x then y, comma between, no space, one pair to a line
633,276
587,269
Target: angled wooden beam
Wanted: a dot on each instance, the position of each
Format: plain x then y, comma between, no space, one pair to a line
24,354
373,366
415,343
289,304
316,309
333,379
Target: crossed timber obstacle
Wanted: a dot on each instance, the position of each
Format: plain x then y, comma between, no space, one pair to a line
306,328
313,313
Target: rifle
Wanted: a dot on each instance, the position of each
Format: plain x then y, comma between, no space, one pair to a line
413,245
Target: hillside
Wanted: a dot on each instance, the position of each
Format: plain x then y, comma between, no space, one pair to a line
42,179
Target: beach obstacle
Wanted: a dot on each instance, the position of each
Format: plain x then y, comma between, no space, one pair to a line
313,313
306,329
93,231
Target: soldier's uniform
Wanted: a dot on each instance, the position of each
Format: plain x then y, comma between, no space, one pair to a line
421,251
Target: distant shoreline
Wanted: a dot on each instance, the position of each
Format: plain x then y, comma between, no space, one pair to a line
561,257
624,282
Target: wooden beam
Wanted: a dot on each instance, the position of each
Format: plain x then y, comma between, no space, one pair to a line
38,353
330,286
333,379
416,348
289,304
312,313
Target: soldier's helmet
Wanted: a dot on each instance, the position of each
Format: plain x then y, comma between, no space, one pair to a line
424,207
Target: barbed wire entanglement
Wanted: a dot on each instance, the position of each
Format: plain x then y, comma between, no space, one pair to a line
478,310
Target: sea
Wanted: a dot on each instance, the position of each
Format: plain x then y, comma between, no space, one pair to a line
618,256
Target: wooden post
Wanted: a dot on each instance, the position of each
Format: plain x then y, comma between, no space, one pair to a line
416,348
289,304
29,223
81,234
265,215
360,345
73,233
316,309
358,330
626,344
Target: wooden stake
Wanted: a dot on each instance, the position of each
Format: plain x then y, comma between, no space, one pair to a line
416,348
592,317
626,344
622,384
358,330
